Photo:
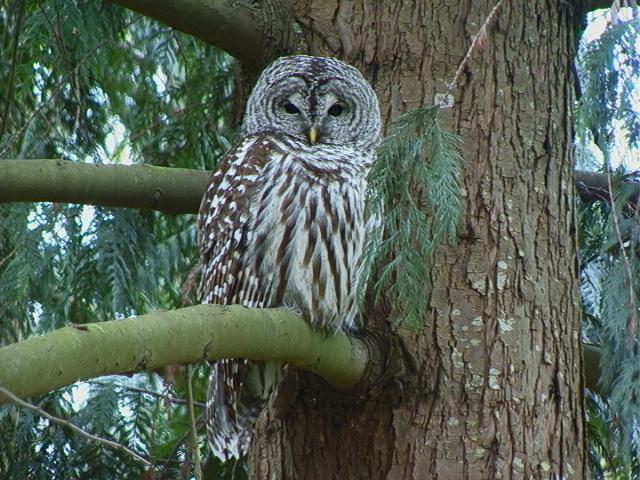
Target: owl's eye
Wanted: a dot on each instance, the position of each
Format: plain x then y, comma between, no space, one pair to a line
290,108
335,110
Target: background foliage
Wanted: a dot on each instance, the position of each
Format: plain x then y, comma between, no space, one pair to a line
90,82
608,140
86,81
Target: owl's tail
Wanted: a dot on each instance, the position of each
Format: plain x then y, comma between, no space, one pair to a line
238,390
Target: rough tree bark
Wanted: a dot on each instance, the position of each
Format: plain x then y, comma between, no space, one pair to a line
491,387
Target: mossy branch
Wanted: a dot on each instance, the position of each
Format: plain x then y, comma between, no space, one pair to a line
38,365
168,190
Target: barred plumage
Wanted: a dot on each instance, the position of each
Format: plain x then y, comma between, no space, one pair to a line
282,221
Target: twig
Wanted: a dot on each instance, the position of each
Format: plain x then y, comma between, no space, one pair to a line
444,100
178,401
183,438
8,257
76,429
12,73
67,60
197,468
56,90
148,128
633,326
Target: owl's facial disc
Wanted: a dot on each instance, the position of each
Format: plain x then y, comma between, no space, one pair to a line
293,116
316,100
316,114
334,114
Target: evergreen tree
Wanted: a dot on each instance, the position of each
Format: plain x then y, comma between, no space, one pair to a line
98,83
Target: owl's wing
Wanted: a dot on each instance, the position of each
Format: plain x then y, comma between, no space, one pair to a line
224,221
224,226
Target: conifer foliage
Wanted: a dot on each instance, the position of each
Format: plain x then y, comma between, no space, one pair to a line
417,159
608,140
90,82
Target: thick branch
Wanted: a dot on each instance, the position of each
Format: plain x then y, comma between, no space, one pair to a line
236,27
188,335
590,5
591,355
169,190
594,186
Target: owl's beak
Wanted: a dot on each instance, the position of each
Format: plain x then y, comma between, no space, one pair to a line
313,135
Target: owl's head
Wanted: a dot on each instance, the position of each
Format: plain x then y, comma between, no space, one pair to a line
317,100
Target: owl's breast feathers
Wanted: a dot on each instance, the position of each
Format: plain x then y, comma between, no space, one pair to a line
282,224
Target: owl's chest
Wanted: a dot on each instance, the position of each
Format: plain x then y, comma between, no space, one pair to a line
306,237
304,198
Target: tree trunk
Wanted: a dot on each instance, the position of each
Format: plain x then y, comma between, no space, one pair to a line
491,386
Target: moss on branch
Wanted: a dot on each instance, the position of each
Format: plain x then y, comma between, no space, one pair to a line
172,191
38,365
169,190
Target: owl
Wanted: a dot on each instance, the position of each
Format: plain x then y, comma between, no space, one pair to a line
282,222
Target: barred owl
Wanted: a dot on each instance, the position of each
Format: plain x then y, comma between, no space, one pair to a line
282,221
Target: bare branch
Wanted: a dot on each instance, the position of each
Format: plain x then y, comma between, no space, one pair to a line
12,72
179,337
71,426
632,325
144,391
590,5
200,424
594,186
196,464
443,100
237,27
169,190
